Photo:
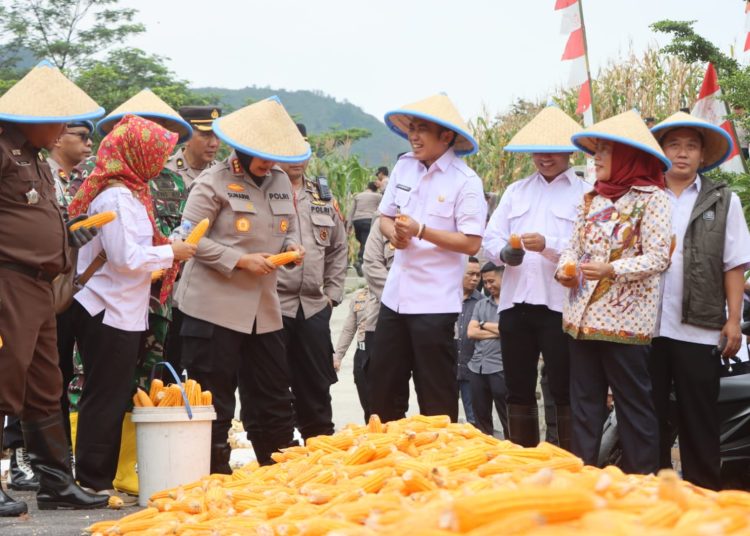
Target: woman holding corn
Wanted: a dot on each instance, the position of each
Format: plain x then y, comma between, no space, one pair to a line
232,327
110,314
612,265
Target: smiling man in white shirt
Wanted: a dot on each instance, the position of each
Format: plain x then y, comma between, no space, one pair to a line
541,210
702,292
433,212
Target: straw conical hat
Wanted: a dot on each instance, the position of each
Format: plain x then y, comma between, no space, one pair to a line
627,128
549,132
438,109
148,105
263,129
717,145
44,95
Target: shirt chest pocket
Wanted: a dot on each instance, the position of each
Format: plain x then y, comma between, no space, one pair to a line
516,217
402,197
322,225
441,211
143,227
282,210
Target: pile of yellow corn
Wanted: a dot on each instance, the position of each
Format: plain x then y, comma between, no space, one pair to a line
425,476
161,395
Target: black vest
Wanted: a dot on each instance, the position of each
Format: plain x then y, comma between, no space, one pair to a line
703,296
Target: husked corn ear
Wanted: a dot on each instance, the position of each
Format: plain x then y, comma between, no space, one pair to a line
157,274
663,514
374,425
515,241
360,454
156,386
141,399
206,398
554,504
280,259
569,269
97,220
198,231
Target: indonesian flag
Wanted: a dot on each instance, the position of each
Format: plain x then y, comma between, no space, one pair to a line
747,25
711,108
575,54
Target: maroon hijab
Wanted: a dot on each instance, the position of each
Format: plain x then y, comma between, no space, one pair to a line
630,167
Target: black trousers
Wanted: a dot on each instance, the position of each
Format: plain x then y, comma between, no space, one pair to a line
418,344
595,365
109,357
173,344
361,232
221,360
695,372
65,345
529,330
486,389
360,379
309,353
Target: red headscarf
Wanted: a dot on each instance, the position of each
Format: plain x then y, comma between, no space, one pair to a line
630,167
133,153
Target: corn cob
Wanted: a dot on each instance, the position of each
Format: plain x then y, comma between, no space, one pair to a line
360,454
569,269
97,220
374,425
664,514
157,274
156,386
141,399
206,398
414,482
515,241
198,231
280,259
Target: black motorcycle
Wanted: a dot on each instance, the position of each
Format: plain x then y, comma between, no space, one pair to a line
734,414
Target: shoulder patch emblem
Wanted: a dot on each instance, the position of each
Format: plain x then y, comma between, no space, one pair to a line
324,234
283,225
242,224
236,187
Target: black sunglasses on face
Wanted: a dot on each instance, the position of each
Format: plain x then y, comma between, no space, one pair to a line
85,136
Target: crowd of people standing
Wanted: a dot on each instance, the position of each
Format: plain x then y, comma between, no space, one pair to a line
628,284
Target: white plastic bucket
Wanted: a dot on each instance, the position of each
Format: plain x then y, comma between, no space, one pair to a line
172,448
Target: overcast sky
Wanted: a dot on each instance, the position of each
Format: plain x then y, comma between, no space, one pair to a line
381,54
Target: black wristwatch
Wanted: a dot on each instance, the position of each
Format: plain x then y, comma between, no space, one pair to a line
481,324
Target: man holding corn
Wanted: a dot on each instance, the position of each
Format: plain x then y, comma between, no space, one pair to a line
433,212
34,250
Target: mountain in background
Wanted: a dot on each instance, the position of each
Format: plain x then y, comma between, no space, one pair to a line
320,113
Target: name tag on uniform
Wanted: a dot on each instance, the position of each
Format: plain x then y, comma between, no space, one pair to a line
709,215
404,187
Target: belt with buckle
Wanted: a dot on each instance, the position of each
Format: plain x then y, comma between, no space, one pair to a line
361,346
33,273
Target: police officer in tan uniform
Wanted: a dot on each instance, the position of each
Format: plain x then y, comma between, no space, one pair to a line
34,250
308,294
232,328
199,152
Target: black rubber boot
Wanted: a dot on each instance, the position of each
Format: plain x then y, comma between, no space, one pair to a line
22,477
220,454
564,426
49,452
523,422
8,506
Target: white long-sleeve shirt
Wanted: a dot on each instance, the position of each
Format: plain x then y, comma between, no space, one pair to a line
533,205
121,287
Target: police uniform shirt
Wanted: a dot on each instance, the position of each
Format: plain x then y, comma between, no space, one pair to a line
448,196
323,273
376,263
179,164
62,182
34,232
244,218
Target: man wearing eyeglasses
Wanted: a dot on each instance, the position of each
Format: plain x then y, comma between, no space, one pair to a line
66,155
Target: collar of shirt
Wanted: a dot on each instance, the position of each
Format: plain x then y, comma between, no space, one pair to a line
474,296
695,187
442,163
567,175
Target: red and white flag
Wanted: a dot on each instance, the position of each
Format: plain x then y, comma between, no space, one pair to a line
747,25
575,54
711,108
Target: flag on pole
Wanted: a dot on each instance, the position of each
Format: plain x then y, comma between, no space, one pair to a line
747,25
711,108
575,54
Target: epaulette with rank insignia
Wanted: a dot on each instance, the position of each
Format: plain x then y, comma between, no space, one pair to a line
312,188
180,163
236,166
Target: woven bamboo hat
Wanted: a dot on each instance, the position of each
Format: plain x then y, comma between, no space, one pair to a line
438,109
627,128
148,105
717,145
549,132
263,129
45,95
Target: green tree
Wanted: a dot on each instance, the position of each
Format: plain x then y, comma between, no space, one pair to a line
125,72
326,142
67,32
691,48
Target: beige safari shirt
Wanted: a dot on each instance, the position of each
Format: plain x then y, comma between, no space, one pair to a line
244,219
322,274
633,234
377,260
178,163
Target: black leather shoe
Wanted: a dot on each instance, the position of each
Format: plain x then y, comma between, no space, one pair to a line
49,453
9,507
220,454
22,477
523,424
